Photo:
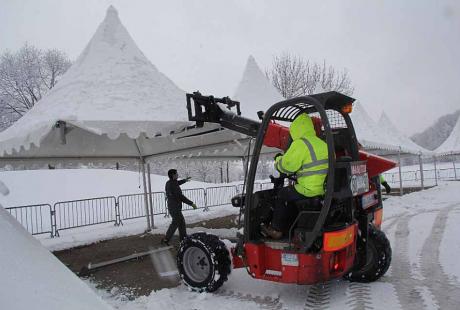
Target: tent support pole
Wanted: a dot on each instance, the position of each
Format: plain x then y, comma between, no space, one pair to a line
228,178
400,173
455,169
435,171
146,200
421,170
144,182
150,195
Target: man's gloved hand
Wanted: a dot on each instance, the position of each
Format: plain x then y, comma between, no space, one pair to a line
387,187
194,206
188,179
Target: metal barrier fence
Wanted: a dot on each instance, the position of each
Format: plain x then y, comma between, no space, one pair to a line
84,212
428,174
257,186
36,219
197,195
133,206
42,218
218,196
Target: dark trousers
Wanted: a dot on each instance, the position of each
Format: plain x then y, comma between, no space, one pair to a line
283,213
178,221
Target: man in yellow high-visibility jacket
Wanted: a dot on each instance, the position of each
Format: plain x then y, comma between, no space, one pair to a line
307,158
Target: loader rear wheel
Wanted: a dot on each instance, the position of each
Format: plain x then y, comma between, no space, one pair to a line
378,258
203,262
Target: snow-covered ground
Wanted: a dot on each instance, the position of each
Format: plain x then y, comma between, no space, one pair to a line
423,230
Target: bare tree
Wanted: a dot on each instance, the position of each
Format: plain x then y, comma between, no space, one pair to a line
204,170
25,76
54,64
293,76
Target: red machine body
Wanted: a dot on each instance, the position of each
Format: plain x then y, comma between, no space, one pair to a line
265,261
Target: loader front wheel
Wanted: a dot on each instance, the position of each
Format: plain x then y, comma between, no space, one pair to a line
203,262
378,258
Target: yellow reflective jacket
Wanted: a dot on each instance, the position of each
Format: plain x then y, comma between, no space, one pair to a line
307,158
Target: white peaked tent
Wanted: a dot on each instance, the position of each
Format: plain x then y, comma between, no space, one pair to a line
255,92
113,105
33,278
452,144
367,131
398,138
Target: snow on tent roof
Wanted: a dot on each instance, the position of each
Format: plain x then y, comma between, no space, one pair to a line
452,144
111,80
398,138
255,92
367,131
33,278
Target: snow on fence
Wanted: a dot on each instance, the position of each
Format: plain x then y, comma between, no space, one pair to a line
42,218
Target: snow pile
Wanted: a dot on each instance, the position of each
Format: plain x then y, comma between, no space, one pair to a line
398,138
367,131
111,80
452,144
32,278
255,92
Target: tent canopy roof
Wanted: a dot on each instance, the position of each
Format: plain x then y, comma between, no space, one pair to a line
452,144
255,92
111,84
397,137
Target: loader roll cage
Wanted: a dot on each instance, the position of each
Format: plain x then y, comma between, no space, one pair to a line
322,104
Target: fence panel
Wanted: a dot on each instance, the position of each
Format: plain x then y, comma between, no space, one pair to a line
197,195
266,185
218,196
84,212
133,206
428,175
36,219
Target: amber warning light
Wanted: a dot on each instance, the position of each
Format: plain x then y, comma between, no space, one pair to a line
348,108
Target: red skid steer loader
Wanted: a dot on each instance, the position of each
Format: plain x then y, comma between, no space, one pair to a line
338,237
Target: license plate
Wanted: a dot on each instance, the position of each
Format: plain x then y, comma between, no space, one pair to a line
288,259
359,184
369,200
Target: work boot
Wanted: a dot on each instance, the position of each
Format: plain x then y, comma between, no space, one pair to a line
164,241
270,232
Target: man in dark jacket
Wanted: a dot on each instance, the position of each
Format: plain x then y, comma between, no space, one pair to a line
175,199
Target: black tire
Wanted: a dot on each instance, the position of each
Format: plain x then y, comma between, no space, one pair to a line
378,258
203,262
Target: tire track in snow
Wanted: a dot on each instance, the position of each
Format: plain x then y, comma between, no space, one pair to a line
360,296
405,284
319,296
445,292
264,302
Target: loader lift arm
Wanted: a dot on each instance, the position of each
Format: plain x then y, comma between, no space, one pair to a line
209,109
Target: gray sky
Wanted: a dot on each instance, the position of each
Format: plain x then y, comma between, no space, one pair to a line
402,56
